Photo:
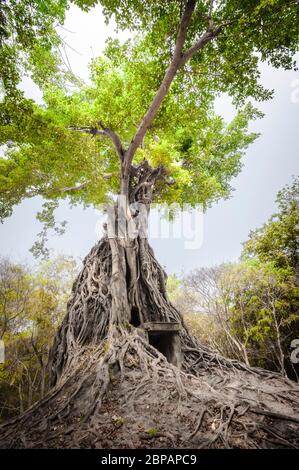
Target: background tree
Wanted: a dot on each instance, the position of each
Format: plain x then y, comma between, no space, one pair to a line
15,292
249,310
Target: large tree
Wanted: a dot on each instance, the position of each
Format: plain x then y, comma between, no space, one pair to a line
32,305
145,130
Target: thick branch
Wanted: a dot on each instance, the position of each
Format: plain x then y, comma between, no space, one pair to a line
115,139
165,85
201,43
179,59
69,189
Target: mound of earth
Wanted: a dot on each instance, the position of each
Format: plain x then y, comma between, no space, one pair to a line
125,394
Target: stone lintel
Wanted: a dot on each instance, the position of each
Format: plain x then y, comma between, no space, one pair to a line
161,327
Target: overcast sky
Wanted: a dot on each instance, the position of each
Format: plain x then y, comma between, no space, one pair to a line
269,164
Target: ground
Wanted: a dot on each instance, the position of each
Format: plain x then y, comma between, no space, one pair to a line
127,395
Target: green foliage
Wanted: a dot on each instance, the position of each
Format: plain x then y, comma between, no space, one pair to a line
44,156
47,218
277,241
32,304
265,29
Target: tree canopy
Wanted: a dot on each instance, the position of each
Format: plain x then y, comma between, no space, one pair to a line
144,128
29,42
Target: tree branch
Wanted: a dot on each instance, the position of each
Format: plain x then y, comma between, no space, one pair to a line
211,9
88,130
106,132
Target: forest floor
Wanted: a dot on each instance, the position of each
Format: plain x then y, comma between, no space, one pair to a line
149,403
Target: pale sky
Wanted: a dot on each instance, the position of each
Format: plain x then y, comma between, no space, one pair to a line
269,164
